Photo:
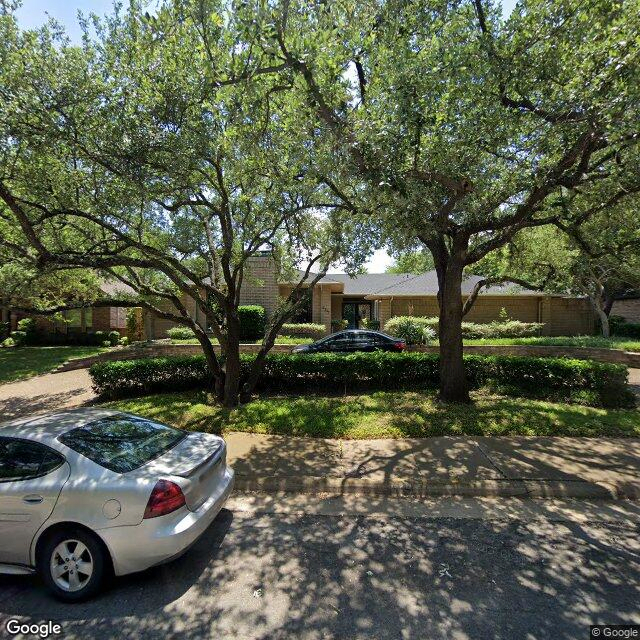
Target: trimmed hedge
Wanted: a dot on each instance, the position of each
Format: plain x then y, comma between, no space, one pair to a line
558,379
253,322
303,330
181,333
470,330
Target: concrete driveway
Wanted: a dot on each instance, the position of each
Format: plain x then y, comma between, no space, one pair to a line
276,568
45,393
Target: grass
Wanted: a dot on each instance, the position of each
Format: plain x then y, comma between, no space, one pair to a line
384,415
25,362
564,341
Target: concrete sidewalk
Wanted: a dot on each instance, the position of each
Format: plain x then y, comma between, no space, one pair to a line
443,466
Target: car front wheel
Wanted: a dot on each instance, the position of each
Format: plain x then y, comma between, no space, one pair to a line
72,565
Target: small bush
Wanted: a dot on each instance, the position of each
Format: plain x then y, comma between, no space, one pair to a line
8,343
181,333
556,379
114,338
303,330
368,323
412,330
19,338
27,326
124,341
253,322
624,329
339,325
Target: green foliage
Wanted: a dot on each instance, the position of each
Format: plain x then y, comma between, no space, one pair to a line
181,333
19,338
253,322
9,342
135,325
626,330
470,330
414,330
369,323
559,379
419,261
28,327
339,325
303,330
114,338
124,341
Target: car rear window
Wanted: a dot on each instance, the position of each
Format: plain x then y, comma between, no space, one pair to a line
122,443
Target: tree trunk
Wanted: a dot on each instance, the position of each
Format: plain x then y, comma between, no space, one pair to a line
232,372
453,379
602,316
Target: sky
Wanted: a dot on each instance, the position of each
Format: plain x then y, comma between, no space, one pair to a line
34,12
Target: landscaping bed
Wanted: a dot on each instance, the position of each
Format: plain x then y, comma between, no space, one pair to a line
557,379
384,414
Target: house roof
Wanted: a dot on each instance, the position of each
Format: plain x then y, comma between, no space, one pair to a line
115,288
407,284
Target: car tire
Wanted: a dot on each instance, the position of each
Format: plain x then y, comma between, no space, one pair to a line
72,564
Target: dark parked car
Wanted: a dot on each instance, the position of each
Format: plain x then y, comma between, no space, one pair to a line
353,340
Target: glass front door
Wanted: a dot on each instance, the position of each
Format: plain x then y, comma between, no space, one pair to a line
355,312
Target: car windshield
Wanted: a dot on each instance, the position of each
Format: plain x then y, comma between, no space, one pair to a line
122,443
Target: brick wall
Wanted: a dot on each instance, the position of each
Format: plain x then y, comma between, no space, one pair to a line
628,309
260,283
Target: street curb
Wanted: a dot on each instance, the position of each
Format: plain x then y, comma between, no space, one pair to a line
517,488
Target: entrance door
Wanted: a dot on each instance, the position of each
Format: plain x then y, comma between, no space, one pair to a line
355,312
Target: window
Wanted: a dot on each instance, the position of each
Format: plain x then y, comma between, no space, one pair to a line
23,460
117,317
122,443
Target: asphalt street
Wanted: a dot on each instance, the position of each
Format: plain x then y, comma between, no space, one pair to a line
465,569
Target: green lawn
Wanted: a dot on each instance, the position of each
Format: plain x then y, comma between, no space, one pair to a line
25,362
627,344
385,415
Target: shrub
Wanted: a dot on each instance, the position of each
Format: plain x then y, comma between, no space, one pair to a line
28,327
114,338
8,342
127,377
135,324
253,322
471,330
624,329
303,330
557,379
124,341
413,330
19,338
181,333
368,323
339,325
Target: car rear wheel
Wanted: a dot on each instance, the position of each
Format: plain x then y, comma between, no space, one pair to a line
72,565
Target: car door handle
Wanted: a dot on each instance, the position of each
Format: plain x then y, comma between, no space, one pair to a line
32,499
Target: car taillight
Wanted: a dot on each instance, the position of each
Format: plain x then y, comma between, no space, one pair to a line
399,345
166,497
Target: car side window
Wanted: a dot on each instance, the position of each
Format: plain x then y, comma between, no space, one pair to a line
23,460
339,341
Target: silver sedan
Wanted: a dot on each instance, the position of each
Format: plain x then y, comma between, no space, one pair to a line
89,492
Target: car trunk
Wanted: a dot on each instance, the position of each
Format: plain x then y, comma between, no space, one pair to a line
199,459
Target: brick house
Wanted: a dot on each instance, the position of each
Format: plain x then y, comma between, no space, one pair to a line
380,296
90,319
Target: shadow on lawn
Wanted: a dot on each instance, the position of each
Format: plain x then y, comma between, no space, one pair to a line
386,414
